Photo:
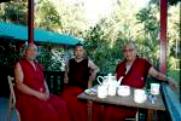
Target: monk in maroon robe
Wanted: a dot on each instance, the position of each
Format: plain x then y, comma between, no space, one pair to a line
133,71
79,74
34,102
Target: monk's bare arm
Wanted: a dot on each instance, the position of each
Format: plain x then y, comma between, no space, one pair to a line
23,87
46,87
160,76
94,70
66,79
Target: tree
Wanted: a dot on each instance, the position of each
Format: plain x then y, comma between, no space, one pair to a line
14,11
173,2
46,16
72,17
148,40
105,40
174,36
99,49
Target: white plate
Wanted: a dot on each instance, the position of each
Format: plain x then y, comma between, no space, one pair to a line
124,94
91,91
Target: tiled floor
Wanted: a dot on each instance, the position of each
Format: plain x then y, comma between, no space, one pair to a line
4,110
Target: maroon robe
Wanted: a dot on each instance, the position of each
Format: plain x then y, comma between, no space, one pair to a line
137,74
32,108
78,82
135,78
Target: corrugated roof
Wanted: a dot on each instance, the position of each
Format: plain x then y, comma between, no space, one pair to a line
20,32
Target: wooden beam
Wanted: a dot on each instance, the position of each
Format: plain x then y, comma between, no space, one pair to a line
30,21
163,36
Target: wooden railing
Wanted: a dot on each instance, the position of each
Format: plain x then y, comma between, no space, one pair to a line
55,81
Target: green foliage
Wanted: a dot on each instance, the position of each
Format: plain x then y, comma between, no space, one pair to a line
104,40
44,57
105,48
173,2
73,21
52,59
14,11
106,56
174,74
174,26
148,42
8,54
46,16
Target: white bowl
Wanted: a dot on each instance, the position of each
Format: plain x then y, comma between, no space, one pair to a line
123,90
140,96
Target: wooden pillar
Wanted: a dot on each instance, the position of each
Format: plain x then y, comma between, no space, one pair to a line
163,35
30,21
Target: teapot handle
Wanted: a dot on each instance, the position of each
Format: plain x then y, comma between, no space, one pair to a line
98,79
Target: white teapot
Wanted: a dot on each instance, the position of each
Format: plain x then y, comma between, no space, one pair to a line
106,80
102,91
110,82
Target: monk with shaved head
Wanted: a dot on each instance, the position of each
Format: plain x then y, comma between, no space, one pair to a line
34,102
133,71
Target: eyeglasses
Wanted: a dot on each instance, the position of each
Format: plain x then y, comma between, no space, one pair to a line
128,50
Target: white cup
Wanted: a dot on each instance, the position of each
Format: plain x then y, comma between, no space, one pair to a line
102,91
123,90
140,96
155,88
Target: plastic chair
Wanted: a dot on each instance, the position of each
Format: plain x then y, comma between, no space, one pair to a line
12,100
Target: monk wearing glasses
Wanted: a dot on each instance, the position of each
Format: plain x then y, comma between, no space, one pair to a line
133,70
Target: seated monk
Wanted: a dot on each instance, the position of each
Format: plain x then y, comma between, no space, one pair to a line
79,74
133,70
34,102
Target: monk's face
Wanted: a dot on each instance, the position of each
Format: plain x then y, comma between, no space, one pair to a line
79,52
31,52
129,52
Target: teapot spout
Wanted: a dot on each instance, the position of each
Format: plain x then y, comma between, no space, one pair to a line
120,80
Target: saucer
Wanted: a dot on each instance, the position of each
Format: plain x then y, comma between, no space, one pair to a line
90,91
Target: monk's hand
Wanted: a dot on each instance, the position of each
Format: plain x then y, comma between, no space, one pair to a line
172,83
42,96
90,84
47,95
92,77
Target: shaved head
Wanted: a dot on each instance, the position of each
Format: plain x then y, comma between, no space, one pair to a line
130,44
129,51
31,45
30,51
